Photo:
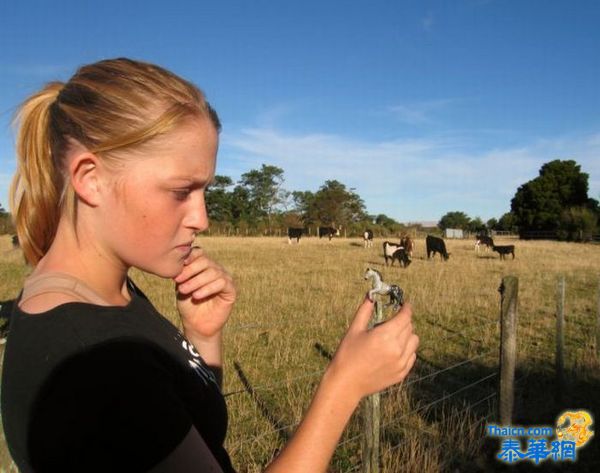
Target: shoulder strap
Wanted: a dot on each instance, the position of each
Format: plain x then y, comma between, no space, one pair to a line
63,284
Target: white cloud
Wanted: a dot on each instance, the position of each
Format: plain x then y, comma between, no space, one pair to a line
419,113
407,179
410,179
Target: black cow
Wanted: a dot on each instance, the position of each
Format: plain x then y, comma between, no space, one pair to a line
368,238
15,241
484,240
402,256
436,245
504,250
295,233
329,232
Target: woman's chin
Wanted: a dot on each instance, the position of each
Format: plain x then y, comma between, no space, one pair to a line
165,272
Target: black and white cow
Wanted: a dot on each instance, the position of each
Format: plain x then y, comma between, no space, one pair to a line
329,232
368,238
483,240
504,250
295,233
436,245
389,249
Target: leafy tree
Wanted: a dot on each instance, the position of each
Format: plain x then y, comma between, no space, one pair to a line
507,222
454,220
385,221
577,223
333,204
219,200
303,203
6,224
538,205
240,206
492,224
263,190
476,225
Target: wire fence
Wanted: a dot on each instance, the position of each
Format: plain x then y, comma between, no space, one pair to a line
474,381
411,382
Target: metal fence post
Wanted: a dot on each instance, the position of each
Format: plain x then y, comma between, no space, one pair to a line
509,291
371,418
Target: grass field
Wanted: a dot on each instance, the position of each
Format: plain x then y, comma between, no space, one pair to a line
295,302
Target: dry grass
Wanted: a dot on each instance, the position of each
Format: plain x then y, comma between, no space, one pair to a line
297,300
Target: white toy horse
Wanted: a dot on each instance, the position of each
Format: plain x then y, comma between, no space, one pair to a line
379,287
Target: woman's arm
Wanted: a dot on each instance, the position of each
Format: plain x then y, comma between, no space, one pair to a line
205,297
366,362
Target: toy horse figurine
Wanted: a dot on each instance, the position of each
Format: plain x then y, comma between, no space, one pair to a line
379,287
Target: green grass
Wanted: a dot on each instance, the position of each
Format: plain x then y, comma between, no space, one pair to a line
295,303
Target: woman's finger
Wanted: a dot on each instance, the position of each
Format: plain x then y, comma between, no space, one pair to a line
197,281
214,287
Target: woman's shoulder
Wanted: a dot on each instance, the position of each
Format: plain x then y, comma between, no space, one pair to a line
42,303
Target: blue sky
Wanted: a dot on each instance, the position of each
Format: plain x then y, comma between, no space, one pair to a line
423,107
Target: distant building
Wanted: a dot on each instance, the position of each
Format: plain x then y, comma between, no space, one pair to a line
453,233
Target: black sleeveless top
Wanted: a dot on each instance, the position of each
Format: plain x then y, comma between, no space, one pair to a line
88,388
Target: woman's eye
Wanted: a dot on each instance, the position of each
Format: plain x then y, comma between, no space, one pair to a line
181,194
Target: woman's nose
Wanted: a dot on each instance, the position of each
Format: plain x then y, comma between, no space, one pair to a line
197,217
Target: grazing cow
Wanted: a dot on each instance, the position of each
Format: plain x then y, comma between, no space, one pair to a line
295,233
484,240
368,238
436,245
402,256
504,250
388,251
408,245
329,232
15,241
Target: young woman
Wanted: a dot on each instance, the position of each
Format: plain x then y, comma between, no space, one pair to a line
112,170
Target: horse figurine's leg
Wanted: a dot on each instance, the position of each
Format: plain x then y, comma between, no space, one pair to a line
396,296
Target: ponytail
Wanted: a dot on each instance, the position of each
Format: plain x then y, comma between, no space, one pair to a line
109,107
37,185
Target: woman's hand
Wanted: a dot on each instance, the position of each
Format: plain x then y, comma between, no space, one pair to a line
205,295
368,361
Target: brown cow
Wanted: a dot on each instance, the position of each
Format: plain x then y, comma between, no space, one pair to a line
407,243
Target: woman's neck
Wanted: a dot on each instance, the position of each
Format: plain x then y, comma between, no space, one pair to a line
83,257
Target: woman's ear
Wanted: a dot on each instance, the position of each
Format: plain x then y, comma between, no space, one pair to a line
84,176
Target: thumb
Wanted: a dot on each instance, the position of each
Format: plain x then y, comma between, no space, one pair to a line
362,316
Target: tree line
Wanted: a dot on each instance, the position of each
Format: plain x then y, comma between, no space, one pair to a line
259,204
555,204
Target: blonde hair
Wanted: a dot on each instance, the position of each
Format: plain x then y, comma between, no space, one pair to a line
108,106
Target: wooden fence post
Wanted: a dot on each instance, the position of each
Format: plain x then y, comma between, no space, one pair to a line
371,418
560,339
509,290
